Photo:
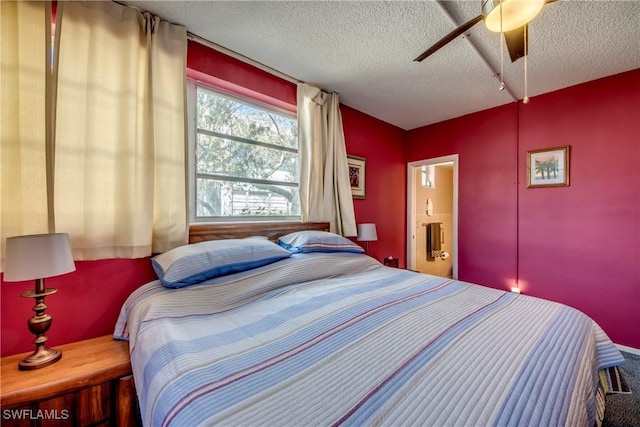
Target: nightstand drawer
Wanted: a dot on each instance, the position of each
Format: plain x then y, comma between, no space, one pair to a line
90,385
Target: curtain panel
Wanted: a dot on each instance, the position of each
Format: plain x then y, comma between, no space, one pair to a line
120,135
325,190
25,42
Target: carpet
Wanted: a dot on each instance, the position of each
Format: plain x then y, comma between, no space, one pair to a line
623,410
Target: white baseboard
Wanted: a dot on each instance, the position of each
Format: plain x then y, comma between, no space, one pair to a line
628,349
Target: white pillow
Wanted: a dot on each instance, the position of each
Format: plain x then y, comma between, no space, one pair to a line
317,241
191,264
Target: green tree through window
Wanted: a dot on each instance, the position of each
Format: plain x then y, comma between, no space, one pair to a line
246,159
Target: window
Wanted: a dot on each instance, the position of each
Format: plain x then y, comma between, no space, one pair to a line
246,160
429,176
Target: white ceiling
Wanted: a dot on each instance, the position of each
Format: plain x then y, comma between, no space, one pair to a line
364,50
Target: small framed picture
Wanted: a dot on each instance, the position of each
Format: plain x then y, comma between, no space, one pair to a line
357,175
548,167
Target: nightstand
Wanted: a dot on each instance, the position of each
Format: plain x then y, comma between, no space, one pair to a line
390,262
91,385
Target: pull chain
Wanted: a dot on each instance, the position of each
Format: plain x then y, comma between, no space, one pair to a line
501,52
526,77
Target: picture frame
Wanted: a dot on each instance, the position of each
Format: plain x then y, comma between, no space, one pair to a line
548,167
357,169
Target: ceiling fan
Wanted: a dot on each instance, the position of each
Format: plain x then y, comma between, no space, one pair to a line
509,17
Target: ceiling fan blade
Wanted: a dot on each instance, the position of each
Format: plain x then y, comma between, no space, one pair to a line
515,39
515,42
449,37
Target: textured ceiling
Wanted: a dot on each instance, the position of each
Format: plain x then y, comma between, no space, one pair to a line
364,50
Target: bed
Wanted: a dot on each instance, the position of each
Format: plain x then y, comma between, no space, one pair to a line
326,335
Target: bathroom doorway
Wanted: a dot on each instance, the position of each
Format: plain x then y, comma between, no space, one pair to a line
432,216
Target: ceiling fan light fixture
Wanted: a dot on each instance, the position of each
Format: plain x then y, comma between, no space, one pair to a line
513,13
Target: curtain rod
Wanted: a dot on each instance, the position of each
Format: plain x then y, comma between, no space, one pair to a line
231,53
242,58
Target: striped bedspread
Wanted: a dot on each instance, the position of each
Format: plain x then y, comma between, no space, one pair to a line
338,339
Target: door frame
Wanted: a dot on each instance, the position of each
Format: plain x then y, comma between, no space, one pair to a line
411,208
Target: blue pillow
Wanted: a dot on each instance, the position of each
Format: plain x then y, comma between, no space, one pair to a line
192,264
317,241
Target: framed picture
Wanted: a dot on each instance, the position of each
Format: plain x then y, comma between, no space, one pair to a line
356,175
548,167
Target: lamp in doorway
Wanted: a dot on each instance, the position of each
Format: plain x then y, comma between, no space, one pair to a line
367,233
36,257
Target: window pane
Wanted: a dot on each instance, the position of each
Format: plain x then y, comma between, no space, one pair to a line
246,159
231,117
232,158
226,198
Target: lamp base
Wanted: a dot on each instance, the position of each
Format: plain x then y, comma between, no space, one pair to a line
43,356
39,324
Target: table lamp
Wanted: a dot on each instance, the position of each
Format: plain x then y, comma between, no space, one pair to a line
36,257
367,233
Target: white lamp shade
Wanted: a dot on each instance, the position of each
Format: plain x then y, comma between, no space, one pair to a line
37,256
515,13
367,232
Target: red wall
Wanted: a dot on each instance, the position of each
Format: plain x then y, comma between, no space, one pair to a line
579,245
238,77
382,145
486,145
86,305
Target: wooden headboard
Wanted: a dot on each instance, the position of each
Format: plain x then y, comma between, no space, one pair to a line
272,230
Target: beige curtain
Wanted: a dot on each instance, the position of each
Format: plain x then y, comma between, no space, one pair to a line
120,131
25,43
325,191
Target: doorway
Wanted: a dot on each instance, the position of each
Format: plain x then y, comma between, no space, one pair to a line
432,198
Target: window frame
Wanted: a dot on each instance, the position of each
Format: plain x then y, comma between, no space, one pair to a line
192,173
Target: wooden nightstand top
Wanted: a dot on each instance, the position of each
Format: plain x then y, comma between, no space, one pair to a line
83,364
